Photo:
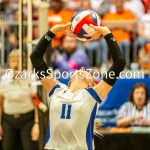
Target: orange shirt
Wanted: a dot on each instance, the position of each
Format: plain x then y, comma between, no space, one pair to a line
120,34
146,65
60,17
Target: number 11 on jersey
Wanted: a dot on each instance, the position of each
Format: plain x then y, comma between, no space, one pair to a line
66,114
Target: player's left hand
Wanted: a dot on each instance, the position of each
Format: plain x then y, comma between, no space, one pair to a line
98,31
35,132
63,28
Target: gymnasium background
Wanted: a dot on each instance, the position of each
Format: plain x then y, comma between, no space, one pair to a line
23,22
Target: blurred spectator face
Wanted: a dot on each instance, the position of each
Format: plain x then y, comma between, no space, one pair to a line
14,60
139,96
69,44
119,5
85,4
16,15
12,40
14,63
35,14
56,5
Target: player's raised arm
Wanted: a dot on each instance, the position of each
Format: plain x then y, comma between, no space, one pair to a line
105,85
41,68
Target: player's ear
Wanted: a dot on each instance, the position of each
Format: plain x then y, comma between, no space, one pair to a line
90,85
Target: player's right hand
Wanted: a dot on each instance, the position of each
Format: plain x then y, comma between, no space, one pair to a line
63,28
98,31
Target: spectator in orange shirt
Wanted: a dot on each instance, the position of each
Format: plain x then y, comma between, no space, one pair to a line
58,15
144,57
143,30
120,31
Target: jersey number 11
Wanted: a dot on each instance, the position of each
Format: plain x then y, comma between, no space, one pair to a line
66,114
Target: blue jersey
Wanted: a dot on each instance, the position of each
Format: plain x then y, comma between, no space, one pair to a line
71,118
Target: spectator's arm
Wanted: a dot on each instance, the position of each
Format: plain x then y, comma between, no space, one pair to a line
36,118
129,26
146,121
122,25
124,122
35,132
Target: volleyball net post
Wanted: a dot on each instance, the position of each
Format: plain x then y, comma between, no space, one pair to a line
20,33
29,35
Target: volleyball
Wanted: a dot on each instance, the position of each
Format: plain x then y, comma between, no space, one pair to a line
80,23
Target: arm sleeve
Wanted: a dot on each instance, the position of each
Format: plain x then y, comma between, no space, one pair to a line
58,89
118,60
53,90
36,56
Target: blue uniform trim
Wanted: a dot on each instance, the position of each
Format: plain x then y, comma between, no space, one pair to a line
94,94
69,112
48,133
90,128
54,88
63,111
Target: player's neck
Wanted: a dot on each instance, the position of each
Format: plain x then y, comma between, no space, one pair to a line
76,86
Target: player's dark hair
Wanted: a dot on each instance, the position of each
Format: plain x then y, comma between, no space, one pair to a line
136,86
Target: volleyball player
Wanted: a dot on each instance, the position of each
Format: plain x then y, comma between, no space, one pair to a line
72,108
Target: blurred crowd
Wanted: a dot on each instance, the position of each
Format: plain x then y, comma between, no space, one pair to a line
129,21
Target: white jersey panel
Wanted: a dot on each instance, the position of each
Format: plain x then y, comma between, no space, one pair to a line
71,119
